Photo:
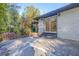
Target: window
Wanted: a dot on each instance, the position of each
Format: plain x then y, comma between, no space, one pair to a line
50,26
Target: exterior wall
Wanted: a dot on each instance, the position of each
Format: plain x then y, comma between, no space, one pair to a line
68,24
41,27
42,24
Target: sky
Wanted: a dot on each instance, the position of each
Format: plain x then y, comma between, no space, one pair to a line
43,7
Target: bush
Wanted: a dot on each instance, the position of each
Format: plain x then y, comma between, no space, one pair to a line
1,37
9,35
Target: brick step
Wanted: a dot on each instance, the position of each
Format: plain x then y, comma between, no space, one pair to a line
49,35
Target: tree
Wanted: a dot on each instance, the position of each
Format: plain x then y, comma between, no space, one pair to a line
29,14
13,19
9,18
3,18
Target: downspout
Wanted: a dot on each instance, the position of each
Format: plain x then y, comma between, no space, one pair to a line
58,14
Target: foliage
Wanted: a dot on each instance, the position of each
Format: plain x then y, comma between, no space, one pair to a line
29,14
1,37
3,18
9,19
9,35
13,20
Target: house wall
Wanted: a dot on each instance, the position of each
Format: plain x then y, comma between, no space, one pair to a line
42,24
41,27
68,24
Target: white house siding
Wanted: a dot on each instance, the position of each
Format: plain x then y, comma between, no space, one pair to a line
41,27
68,24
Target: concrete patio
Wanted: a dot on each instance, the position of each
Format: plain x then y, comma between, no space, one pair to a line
30,46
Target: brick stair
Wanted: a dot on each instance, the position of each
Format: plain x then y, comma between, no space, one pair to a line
49,35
